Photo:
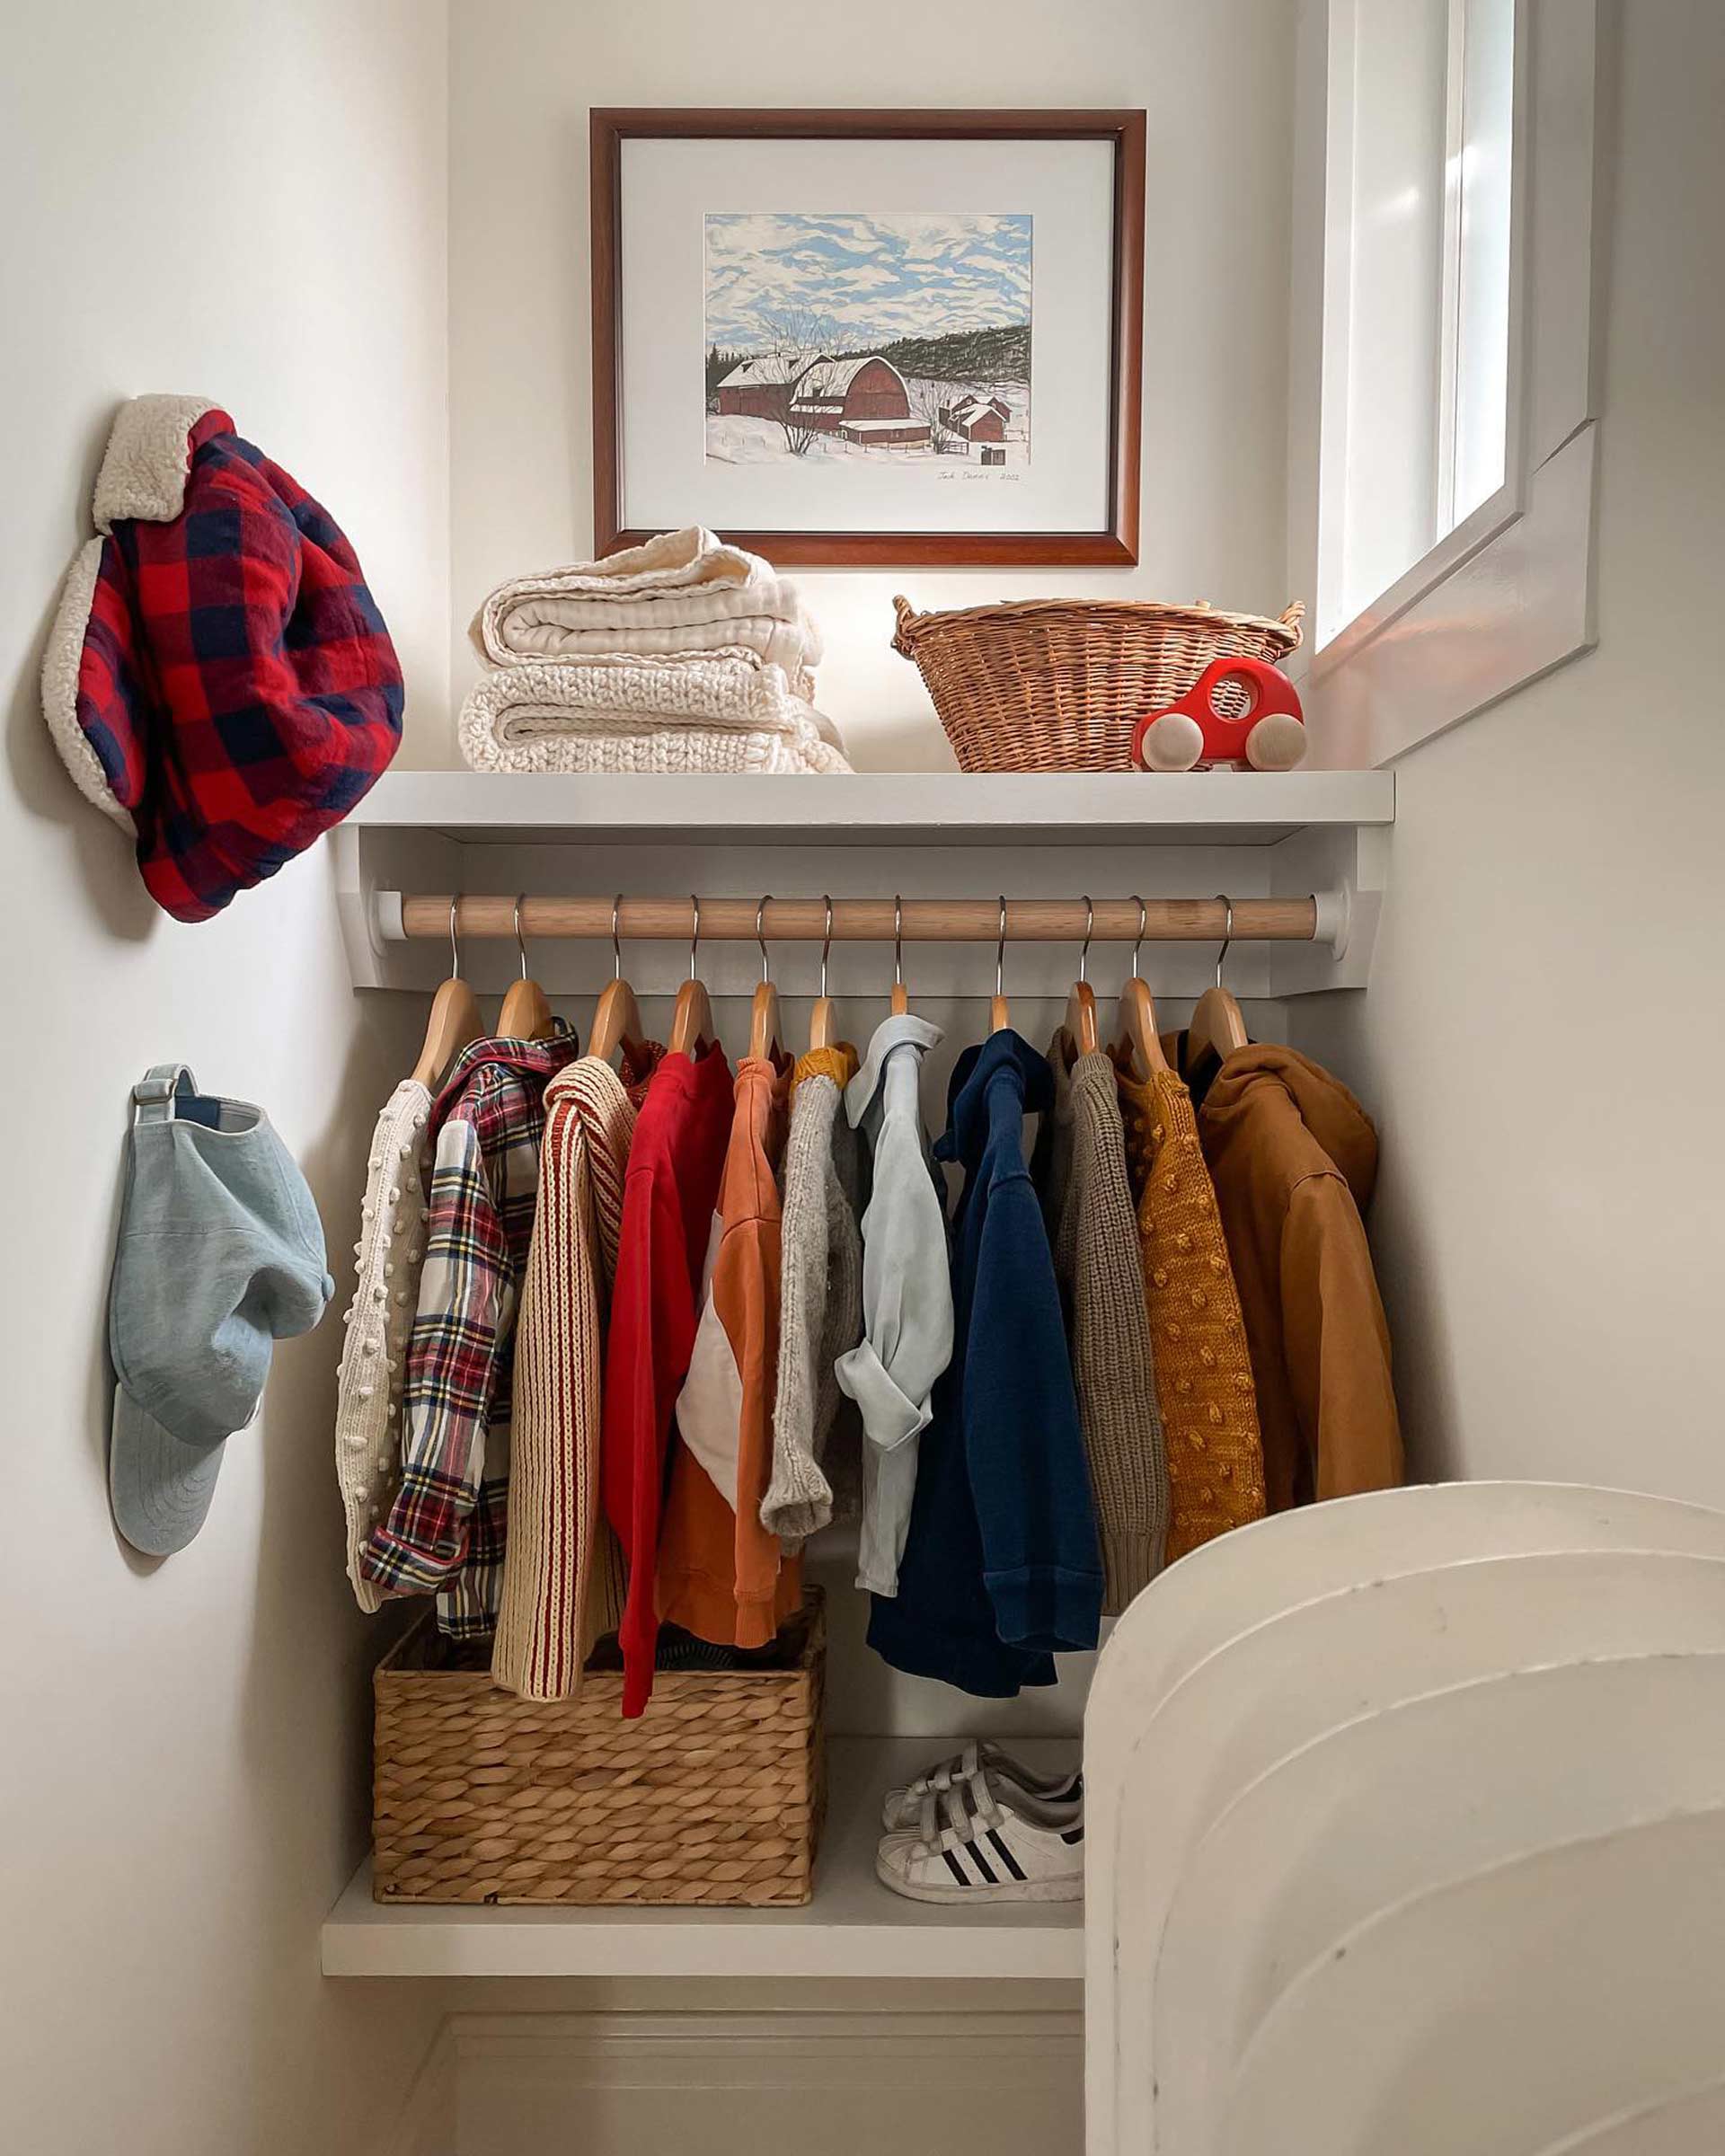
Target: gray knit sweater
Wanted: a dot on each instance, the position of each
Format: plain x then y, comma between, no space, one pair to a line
817,1436
1093,1230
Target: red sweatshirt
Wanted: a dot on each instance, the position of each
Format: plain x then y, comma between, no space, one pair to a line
668,1200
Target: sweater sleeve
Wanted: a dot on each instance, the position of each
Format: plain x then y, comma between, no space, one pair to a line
646,1354
553,1456
1027,1479
906,1340
1337,1343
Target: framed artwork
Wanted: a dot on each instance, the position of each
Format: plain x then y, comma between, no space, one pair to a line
870,338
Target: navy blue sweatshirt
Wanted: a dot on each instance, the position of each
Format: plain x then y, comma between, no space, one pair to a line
1001,1563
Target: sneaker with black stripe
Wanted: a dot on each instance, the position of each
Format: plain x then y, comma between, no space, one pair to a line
970,1846
902,1807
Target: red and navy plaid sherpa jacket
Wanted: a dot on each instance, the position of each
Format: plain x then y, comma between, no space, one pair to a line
236,685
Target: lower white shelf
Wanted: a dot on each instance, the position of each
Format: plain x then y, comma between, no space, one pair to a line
853,1927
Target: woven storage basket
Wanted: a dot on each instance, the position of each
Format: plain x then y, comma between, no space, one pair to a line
715,1796
1057,685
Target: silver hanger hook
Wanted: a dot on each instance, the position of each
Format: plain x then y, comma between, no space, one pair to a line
897,941
455,947
1090,923
1227,935
1137,948
616,947
1000,953
760,936
520,947
826,940
694,932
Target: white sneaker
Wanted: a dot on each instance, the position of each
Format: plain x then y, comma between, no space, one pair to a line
901,1809
993,1852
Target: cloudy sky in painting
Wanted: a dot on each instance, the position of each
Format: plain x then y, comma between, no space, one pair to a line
901,274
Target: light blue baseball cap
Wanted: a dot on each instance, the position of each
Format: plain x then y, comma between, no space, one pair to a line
220,1254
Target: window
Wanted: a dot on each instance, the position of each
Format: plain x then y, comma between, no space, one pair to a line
1418,440
1416,402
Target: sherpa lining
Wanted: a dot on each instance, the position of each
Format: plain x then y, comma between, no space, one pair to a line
145,465
62,662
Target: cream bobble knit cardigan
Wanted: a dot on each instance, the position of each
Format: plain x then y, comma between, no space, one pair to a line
388,1256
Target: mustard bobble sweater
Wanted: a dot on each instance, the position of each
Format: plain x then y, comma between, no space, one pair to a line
1209,1408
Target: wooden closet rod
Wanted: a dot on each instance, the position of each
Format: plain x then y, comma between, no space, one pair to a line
868,920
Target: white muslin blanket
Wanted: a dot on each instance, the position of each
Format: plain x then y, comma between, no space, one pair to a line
682,594
692,715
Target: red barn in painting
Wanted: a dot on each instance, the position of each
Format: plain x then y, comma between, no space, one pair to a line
760,388
977,418
864,399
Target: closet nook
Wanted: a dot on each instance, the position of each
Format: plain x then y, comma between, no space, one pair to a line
1091,891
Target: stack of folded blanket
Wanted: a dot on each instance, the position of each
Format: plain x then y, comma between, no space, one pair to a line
680,654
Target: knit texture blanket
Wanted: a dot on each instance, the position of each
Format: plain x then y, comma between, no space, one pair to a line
681,595
694,715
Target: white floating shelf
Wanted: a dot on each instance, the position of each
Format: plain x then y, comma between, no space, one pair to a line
877,807
853,1927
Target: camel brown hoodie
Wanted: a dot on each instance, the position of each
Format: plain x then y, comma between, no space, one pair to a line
1294,1158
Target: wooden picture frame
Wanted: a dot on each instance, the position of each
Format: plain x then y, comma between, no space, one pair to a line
1113,543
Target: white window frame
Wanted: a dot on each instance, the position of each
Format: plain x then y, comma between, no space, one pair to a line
1509,595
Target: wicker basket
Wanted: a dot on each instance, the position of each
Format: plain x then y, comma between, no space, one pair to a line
1057,685
716,1795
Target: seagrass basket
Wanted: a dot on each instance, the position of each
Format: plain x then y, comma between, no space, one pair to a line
1057,685
715,1796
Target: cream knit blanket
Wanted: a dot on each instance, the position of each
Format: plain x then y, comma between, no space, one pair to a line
692,715
681,595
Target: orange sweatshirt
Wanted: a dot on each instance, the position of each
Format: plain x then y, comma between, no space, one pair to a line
720,1575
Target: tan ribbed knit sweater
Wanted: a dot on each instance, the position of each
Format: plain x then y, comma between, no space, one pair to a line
1080,1168
1210,1409
563,1570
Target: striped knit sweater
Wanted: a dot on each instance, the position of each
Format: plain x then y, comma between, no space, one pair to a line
1209,1408
562,1569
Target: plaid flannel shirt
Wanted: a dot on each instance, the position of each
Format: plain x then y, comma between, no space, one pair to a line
446,1531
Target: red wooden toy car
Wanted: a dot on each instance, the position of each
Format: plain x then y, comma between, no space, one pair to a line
1269,735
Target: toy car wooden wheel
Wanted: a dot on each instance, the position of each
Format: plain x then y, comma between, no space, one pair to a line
1169,742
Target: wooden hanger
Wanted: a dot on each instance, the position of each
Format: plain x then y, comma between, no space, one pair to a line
1082,1032
823,1026
1219,1027
526,1014
763,1011
692,1019
1136,1035
1000,1017
616,1021
454,1019
900,1001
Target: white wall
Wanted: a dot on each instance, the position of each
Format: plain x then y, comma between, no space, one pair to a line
246,200
523,75
1544,1028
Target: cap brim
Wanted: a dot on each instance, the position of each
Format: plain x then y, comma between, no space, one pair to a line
160,1486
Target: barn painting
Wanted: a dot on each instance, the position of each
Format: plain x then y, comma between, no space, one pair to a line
836,339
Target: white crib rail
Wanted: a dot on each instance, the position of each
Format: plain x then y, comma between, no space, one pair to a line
1272,1701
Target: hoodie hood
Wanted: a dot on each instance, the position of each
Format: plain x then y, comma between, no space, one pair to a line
536,1060
1004,1057
1335,1119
